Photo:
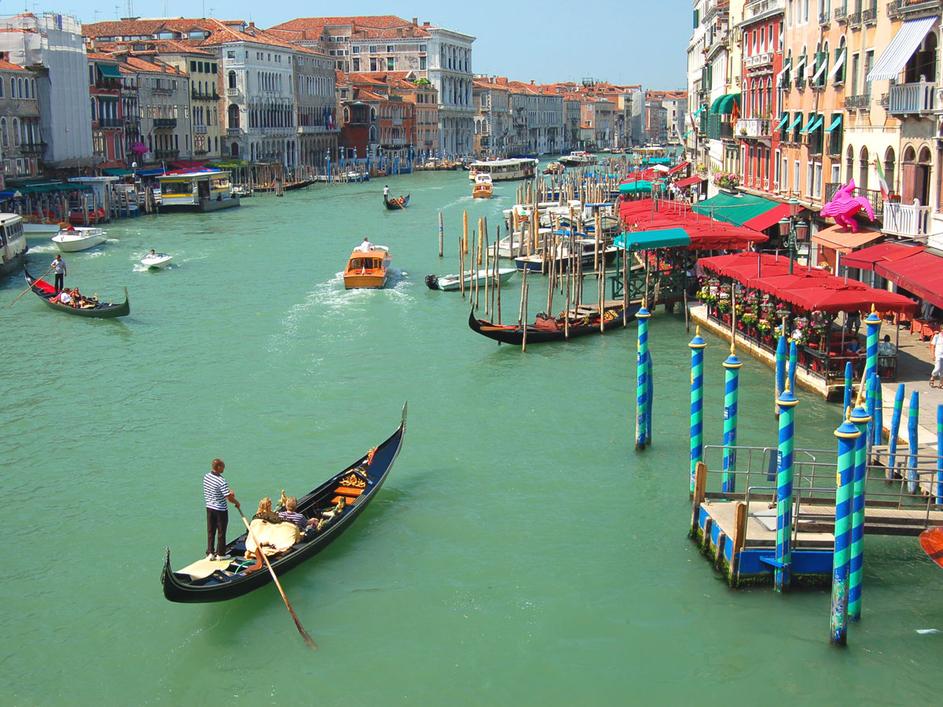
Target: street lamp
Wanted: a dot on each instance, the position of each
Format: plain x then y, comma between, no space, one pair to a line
793,230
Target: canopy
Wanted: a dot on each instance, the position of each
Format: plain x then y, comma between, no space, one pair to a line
814,124
838,239
736,209
51,187
836,121
896,55
920,273
809,289
770,218
689,181
867,258
839,62
647,240
108,71
635,187
796,123
680,167
724,104
783,121
704,233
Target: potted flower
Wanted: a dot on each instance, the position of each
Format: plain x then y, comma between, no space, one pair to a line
727,181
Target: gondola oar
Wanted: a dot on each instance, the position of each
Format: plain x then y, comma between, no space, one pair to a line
278,585
29,288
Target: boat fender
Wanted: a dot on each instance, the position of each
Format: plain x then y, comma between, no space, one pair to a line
432,282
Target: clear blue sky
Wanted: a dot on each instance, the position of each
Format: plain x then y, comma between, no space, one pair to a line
632,41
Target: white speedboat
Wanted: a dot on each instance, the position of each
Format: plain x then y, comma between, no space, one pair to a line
451,283
156,261
76,238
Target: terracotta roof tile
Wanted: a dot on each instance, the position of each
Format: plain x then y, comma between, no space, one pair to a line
9,66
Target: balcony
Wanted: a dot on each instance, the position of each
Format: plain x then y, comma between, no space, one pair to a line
753,128
825,19
877,201
899,9
862,102
718,129
760,8
870,15
166,154
312,129
165,123
199,130
162,91
109,122
32,148
854,18
912,99
907,220
200,96
758,60
233,132
232,93
841,15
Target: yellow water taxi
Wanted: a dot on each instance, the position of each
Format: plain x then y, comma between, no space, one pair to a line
367,267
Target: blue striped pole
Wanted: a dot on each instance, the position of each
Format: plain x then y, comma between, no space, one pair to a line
731,392
787,412
780,368
849,384
859,418
939,453
641,379
894,433
870,395
697,347
649,417
847,433
878,412
873,328
912,419
793,363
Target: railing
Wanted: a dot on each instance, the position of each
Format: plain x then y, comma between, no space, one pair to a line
162,91
109,122
909,220
870,15
199,95
753,127
32,148
824,19
232,92
757,60
860,102
165,123
912,98
166,154
199,129
761,7
233,132
897,9
874,197
854,18
841,14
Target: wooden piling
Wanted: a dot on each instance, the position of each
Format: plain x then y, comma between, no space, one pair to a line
441,235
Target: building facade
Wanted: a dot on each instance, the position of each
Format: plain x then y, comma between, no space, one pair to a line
104,89
21,139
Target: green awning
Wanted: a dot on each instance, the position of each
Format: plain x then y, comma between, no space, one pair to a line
796,123
647,240
635,187
814,125
117,172
108,71
697,112
724,104
835,123
51,187
783,121
734,209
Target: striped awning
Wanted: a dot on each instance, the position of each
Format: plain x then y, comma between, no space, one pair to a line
783,121
814,125
895,57
797,122
836,121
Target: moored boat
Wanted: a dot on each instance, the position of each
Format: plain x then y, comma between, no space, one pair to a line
12,243
578,158
359,483
92,308
78,238
484,188
583,320
585,249
450,283
554,168
396,203
367,267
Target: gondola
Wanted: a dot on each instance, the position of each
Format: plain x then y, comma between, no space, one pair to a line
101,310
399,202
233,581
553,329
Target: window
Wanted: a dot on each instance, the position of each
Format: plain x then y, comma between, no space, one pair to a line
373,49
795,177
355,50
230,54
390,49
232,79
389,64
192,66
855,62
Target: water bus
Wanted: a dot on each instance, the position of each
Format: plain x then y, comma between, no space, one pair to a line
504,170
12,243
205,190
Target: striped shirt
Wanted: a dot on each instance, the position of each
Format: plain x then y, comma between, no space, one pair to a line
296,518
215,490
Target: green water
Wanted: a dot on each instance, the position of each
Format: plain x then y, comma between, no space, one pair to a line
520,552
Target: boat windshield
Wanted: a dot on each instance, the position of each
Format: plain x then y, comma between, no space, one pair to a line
361,263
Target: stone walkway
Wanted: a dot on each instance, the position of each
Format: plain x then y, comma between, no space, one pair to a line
914,363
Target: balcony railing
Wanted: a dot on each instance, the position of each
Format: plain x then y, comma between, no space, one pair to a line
908,220
32,148
854,18
841,15
870,15
875,197
162,91
232,92
861,102
897,9
912,99
753,128
109,122
200,96
233,132
199,130
165,123
757,60
166,154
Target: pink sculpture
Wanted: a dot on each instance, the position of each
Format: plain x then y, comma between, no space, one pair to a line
844,206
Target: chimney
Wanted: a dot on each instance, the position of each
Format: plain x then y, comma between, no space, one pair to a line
425,24
415,22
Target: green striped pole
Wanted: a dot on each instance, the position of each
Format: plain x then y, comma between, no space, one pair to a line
877,411
787,412
860,419
793,363
697,347
912,436
732,367
873,327
849,385
894,433
641,379
651,397
847,433
939,453
780,368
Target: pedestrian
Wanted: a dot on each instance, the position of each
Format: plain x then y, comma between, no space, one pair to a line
216,493
58,267
936,345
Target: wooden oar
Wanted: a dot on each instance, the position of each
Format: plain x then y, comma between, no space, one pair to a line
278,585
29,288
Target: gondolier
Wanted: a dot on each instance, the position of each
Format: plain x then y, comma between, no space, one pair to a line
216,493
58,267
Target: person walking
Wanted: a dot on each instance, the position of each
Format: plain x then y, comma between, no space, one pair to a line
58,267
936,345
216,493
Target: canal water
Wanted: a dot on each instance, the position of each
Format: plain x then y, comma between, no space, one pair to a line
521,552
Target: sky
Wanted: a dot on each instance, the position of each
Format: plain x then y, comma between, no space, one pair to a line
628,42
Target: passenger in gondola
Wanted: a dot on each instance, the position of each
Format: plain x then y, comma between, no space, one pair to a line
265,512
64,297
291,513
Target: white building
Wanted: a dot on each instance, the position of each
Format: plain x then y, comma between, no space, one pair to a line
53,47
450,71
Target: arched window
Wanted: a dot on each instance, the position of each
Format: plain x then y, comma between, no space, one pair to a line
4,141
16,131
890,169
849,164
232,79
233,116
863,169
19,88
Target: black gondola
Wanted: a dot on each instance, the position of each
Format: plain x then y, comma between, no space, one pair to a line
396,203
101,310
553,329
234,581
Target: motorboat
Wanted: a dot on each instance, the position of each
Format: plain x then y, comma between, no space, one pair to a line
578,158
76,238
156,261
367,267
450,283
484,187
